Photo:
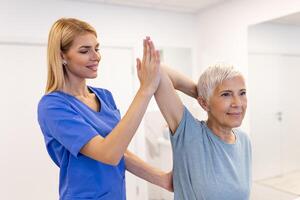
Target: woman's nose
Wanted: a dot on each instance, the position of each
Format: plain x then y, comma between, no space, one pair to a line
236,101
95,55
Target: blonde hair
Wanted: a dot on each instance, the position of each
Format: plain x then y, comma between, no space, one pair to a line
213,76
60,39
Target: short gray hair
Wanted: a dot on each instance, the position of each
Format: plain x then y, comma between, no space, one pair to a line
213,76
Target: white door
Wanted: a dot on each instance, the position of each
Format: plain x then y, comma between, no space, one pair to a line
264,108
290,96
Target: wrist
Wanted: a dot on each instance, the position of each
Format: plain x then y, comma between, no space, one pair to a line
164,180
146,91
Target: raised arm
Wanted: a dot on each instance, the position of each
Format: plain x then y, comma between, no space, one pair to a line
181,82
167,99
111,148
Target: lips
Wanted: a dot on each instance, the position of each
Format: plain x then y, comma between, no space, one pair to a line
93,67
234,113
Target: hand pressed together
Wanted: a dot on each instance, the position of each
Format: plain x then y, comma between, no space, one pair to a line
149,68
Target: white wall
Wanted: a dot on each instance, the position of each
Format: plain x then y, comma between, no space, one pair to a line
274,38
26,170
31,20
223,30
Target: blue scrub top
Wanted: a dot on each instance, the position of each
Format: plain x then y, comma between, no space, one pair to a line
67,125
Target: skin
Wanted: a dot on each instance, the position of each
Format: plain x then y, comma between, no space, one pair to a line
82,60
226,108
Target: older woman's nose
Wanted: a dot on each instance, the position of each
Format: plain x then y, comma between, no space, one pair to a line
236,101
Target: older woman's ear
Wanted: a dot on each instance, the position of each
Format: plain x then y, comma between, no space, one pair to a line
203,103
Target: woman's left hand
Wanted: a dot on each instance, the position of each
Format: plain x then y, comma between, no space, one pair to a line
168,181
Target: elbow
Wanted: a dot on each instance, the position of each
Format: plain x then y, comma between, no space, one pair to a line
111,160
114,162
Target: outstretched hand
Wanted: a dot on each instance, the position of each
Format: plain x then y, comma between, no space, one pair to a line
148,69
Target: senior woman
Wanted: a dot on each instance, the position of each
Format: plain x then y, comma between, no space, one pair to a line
212,159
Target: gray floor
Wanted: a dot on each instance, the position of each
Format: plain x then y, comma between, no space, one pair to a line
262,192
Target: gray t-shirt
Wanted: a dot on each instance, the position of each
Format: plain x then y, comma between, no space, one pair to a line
207,168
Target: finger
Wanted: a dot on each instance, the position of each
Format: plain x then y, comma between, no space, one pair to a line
157,56
148,55
138,64
152,52
145,50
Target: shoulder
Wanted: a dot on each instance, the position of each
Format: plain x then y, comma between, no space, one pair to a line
188,124
189,117
241,133
102,92
105,95
54,103
51,100
243,136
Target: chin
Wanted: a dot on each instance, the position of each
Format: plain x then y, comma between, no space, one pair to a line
235,124
92,76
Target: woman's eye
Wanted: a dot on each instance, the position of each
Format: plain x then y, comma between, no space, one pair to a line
225,94
243,93
97,49
83,52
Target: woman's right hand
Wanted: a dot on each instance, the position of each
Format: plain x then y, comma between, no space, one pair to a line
148,69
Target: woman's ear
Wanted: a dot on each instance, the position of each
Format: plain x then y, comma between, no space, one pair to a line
203,103
63,57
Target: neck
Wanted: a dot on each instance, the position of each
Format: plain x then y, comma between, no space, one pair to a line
76,87
224,133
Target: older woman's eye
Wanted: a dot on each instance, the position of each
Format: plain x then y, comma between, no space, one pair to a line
225,94
97,49
243,93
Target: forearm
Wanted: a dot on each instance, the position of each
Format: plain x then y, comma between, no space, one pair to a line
111,149
143,170
117,141
181,82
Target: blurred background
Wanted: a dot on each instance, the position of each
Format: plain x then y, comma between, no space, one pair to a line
260,37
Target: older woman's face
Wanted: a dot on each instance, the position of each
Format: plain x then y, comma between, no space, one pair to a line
227,105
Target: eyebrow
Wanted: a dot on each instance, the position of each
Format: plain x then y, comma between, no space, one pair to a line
87,46
231,90
225,91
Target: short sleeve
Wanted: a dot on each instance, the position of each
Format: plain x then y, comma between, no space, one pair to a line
186,130
59,121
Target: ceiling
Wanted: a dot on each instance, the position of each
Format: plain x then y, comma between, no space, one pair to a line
186,6
293,19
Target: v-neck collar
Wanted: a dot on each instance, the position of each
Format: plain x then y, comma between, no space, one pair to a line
91,89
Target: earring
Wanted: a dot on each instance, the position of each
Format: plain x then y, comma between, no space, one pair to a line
64,62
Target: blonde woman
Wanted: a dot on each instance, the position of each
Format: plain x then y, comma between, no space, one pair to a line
83,132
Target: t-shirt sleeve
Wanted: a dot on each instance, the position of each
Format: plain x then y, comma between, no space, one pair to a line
64,124
186,130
